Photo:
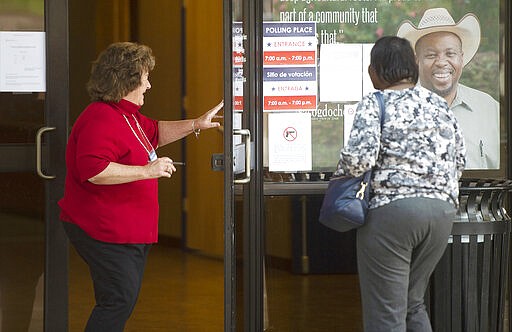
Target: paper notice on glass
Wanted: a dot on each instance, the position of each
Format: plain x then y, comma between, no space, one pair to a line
289,142
22,61
341,72
237,124
349,112
367,82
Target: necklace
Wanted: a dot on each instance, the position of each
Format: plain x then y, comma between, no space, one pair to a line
146,144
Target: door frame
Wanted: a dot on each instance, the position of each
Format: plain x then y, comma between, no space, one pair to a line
229,222
56,115
252,192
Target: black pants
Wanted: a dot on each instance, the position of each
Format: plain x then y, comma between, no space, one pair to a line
116,271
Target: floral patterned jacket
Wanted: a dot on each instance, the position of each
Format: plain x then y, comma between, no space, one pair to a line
421,151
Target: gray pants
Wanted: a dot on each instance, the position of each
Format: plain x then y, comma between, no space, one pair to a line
397,251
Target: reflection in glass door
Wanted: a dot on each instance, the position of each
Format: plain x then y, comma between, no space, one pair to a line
33,290
21,190
22,230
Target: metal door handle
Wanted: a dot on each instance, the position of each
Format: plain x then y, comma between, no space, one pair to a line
247,139
39,134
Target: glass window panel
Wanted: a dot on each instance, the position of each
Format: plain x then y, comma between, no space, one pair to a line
345,33
310,271
22,230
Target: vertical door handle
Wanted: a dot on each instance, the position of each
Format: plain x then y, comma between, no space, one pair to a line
39,148
247,139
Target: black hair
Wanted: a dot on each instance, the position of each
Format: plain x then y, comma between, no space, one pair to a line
393,60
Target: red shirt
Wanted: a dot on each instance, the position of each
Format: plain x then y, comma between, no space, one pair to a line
121,213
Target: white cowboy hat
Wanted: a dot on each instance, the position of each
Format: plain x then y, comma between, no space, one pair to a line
438,19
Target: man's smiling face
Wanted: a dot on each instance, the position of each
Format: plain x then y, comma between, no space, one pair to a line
440,62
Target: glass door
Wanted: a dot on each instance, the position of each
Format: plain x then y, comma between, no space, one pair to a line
244,280
295,71
33,120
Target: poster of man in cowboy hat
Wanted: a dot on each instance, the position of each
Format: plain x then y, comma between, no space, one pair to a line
443,49
472,81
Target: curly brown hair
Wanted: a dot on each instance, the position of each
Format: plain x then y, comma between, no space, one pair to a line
118,70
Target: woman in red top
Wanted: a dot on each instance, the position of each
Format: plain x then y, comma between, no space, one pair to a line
110,204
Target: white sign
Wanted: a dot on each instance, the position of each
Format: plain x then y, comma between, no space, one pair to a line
289,142
22,61
344,72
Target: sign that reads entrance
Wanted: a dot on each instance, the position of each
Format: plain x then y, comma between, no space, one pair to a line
289,66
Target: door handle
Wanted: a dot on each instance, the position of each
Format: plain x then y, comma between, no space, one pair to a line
39,148
247,139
